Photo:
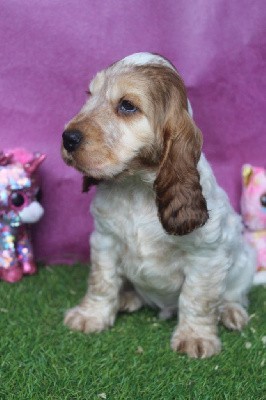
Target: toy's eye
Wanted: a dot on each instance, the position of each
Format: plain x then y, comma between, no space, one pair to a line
17,199
126,107
263,200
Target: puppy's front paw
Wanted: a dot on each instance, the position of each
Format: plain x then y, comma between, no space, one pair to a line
195,346
85,320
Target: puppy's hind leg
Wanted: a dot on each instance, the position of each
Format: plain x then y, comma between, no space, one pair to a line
233,316
232,311
129,300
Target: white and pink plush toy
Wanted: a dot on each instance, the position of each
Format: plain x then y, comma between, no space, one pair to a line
253,207
19,206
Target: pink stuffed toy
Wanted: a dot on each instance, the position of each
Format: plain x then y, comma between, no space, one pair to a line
18,207
253,207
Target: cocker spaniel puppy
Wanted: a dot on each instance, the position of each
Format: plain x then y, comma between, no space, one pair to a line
165,234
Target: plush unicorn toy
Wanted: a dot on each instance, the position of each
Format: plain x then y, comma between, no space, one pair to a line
253,207
18,207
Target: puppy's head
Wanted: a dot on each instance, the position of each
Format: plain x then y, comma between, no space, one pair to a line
136,118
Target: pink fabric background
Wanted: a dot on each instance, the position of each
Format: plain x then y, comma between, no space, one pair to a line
51,49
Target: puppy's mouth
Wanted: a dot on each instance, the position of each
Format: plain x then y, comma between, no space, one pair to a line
70,161
99,172
94,171
66,156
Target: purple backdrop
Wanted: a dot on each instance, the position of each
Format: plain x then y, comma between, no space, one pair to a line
51,49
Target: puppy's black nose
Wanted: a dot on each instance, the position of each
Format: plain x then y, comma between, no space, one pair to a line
71,140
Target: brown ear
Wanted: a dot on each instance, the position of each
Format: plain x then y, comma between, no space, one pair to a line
181,205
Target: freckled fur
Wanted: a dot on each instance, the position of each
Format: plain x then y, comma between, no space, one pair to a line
155,181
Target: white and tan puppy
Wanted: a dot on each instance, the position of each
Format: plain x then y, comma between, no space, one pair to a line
165,233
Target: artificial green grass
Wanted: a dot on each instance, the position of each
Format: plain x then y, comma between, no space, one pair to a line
42,359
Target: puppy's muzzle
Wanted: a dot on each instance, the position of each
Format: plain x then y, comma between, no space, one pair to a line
71,140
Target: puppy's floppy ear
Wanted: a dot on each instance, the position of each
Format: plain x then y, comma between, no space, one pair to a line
181,205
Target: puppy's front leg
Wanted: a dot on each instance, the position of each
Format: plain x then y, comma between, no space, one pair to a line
196,333
98,309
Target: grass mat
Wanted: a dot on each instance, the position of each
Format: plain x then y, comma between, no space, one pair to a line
42,359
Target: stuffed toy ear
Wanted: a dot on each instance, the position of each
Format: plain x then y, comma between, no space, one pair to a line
181,205
32,165
5,158
247,172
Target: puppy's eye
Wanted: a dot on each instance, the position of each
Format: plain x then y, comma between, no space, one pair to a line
263,200
126,107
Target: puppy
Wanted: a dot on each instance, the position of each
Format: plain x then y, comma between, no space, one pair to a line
165,234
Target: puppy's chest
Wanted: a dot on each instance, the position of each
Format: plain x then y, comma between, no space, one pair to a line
131,215
150,259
